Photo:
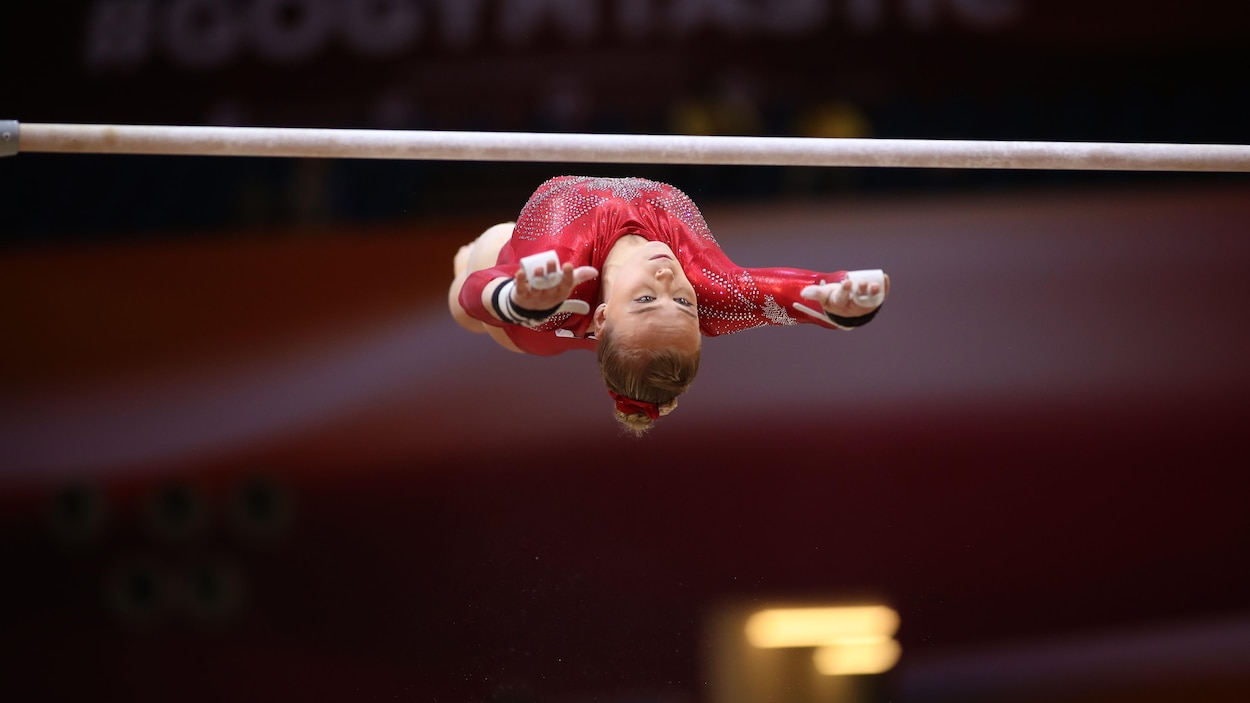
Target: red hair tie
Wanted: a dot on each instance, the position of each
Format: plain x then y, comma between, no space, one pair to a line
629,406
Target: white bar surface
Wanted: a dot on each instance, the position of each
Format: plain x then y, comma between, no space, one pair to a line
628,148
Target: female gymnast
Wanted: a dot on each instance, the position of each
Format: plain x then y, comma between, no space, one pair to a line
640,280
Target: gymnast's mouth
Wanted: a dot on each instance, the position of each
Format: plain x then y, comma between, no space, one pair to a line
661,256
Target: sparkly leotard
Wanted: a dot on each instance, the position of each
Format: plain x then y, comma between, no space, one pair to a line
582,217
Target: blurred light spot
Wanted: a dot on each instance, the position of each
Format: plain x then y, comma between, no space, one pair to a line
138,592
849,657
213,591
261,511
77,514
177,512
814,627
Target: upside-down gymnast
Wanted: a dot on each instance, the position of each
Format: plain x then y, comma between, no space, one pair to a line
641,281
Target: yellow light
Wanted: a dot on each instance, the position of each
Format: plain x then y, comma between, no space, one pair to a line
857,657
814,627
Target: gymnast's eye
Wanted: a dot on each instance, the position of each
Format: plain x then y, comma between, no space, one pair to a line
683,301
645,299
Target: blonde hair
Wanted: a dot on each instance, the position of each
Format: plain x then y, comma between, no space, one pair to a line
648,375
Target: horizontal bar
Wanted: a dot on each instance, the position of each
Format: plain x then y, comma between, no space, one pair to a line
9,133
628,148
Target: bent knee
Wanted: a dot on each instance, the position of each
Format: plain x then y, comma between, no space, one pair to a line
484,252
461,260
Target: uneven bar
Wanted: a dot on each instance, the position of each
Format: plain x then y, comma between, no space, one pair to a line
629,148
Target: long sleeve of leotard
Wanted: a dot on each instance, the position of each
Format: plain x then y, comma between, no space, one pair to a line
734,298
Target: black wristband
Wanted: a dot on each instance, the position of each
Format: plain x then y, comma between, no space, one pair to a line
857,321
534,314
509,311
494,303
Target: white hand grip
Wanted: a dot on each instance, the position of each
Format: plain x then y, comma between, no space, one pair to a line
540,262
869,276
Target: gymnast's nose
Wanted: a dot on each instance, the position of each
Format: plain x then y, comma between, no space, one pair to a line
663,273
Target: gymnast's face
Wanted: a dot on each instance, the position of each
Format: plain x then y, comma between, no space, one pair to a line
651,303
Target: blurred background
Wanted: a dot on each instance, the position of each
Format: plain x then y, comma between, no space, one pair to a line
246,454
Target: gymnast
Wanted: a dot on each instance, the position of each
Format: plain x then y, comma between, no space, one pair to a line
628,267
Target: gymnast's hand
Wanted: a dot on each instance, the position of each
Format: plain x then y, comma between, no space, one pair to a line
546,298
849,298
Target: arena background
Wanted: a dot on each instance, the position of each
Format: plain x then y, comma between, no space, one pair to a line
245,454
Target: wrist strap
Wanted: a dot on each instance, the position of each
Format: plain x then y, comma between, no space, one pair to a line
857,321
509,311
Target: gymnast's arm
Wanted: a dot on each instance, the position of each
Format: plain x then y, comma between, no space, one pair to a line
486,295
757,297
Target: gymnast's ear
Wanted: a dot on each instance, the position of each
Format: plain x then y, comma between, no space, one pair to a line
601,317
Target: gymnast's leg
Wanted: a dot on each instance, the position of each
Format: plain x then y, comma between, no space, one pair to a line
481,253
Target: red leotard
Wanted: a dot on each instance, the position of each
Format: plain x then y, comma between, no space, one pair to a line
582,217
